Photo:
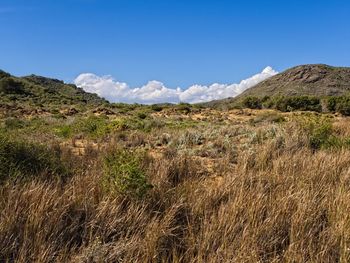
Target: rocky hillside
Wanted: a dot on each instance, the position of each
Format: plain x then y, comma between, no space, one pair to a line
314,80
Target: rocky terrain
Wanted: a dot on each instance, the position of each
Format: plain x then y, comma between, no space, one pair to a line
305,80
316,80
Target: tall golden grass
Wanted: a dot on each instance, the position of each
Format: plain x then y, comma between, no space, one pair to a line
279,202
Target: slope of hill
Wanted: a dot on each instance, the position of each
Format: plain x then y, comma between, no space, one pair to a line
40,92
313,80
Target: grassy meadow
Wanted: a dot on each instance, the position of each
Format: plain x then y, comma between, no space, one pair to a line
131,183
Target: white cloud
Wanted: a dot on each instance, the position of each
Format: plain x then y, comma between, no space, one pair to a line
157,92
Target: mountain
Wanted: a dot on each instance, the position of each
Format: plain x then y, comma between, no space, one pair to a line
313,80
316,80
44,93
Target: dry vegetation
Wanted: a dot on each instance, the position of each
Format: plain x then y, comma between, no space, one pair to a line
177,185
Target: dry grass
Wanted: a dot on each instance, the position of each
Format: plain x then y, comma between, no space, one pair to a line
278,201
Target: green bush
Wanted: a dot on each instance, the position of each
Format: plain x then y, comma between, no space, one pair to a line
142,115
9,85
132,123
331,103
23,160
320,133
156,107
64,131
302,103
252,102
343,106
93,126
124,174
184,108
14,123
339,104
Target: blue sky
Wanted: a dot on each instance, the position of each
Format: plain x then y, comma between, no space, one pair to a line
177,42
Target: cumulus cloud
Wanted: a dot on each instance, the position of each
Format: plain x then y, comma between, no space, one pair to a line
156,92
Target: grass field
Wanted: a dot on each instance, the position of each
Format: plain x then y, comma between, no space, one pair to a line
174,184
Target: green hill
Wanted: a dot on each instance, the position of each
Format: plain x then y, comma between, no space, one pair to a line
35,92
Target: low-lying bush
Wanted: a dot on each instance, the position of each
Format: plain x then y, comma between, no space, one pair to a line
14,123
8,85
302,103
184,108
23,160
339,104
64,131
283,103
156,107
252,102
142,115
124,173
320,134
93,126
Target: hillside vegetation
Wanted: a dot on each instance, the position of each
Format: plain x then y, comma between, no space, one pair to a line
39,94
171,183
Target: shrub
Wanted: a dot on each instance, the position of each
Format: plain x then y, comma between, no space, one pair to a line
339,104
14,123
23,160
10,86
124,173
303,103
332,104
319,135
64,131
122,124
184,107
156,107
319,131
343,106
93,126
252,102
142,115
